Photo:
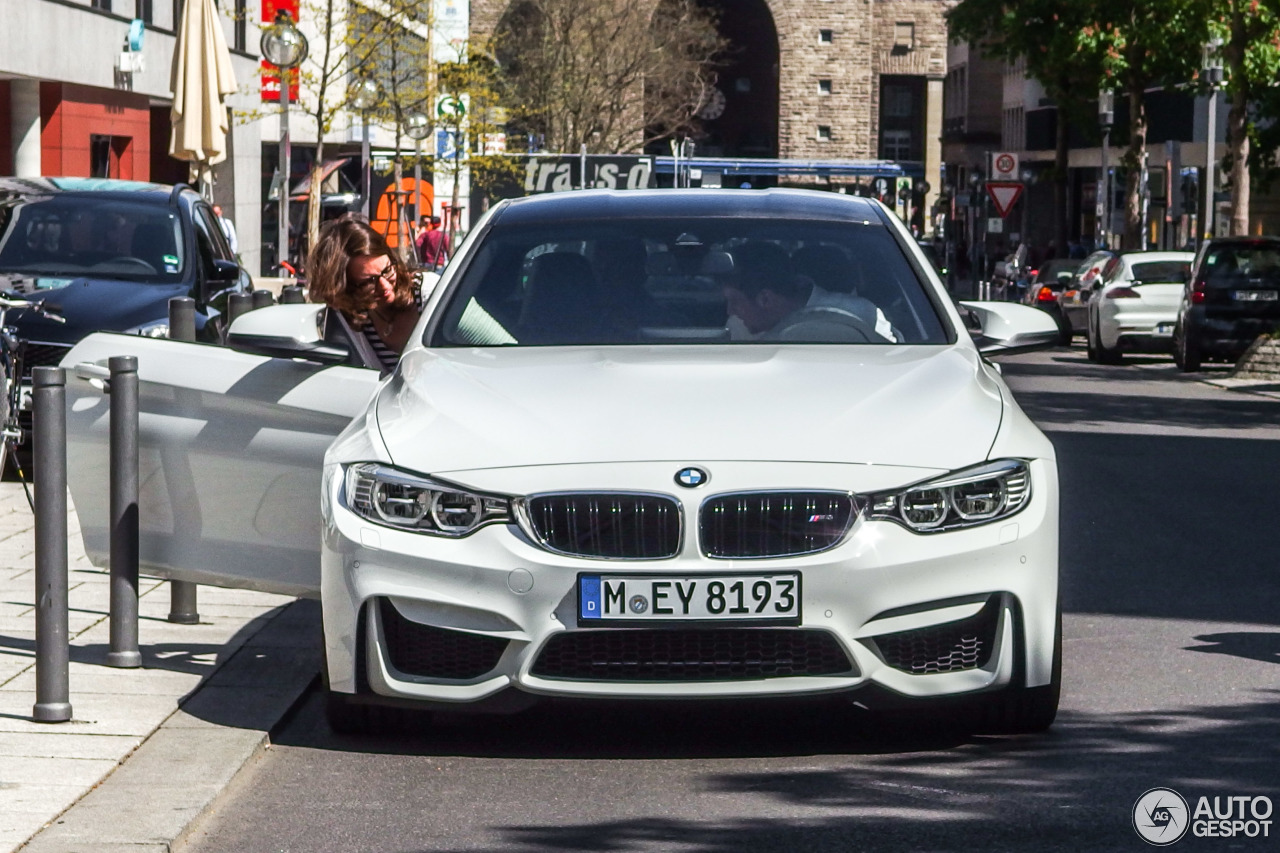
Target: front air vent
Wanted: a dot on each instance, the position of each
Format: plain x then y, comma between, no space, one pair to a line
774,524
609,526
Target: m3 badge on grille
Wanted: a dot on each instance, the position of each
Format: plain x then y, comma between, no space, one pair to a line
691,478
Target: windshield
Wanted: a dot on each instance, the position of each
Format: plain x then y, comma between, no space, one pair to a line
1162,272
697,280
1235,265
74,236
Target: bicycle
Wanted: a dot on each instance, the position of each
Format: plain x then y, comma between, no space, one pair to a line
11,354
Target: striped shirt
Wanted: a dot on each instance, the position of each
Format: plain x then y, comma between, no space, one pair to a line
388,357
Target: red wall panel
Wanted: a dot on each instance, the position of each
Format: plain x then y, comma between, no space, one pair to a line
71,114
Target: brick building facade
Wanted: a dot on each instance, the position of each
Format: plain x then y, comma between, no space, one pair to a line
854,79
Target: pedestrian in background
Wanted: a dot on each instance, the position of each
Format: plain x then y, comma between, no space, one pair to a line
228,230
433,245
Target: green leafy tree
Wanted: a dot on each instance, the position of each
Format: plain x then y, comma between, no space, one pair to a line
1144,44
1045,34
1250,34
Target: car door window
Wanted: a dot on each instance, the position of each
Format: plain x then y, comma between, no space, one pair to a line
207,227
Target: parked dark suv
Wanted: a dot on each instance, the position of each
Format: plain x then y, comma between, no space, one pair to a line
1232,298
108,255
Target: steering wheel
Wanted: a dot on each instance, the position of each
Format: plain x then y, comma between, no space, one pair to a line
127,260
825,324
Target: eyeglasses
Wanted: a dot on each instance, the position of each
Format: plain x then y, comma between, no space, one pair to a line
388,275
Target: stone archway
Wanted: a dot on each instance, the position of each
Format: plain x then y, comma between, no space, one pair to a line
742,120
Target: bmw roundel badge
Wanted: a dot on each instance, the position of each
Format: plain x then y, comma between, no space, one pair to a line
691,478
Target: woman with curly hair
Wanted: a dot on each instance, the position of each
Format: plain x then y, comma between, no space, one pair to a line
354,272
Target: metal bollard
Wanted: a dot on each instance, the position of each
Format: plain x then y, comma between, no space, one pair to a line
292,294
53,653
182,318
183,605
238,304
263,299
124,512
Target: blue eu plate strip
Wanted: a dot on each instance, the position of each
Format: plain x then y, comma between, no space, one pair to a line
589,602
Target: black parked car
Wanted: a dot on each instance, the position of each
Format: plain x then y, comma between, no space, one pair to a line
1050,279
1232,298
108,255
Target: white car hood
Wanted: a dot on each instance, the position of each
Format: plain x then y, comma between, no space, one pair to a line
467,409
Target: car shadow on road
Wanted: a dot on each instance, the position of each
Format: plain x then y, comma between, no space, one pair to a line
1072,789
1252,645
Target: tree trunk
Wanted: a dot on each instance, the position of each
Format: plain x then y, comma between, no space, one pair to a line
1238,129
1133,160
1061,219
313,200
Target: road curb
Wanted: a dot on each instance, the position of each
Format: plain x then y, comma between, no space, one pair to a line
155,798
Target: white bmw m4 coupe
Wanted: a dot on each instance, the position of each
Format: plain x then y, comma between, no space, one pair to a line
652,444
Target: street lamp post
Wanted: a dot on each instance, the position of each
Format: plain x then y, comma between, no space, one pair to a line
1212,66
284,47
364,95
417,126
1106,117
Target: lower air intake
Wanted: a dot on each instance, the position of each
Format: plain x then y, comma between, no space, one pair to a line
430,652
950,647
712,654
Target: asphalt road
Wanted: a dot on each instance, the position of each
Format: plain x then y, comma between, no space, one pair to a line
1171,593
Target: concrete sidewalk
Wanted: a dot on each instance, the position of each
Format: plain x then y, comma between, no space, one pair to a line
187,720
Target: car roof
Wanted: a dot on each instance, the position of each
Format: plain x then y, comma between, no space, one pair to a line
663,203
90,187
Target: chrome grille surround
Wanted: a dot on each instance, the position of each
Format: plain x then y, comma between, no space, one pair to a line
767,524
604,525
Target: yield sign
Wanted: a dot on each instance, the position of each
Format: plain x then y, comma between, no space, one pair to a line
1004,194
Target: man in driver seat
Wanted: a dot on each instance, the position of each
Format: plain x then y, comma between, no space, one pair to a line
767,300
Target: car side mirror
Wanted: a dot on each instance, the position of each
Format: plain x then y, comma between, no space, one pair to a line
286,331
1007,327
224,272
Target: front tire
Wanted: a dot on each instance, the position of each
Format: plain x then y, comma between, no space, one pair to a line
1020,710
1186,354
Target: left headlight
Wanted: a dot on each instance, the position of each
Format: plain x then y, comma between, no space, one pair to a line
965,498
395,498
154,329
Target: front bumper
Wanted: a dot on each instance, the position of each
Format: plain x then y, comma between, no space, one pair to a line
481,611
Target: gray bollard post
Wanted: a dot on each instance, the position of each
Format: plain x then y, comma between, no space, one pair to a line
292,294
183,605
237,305
53,653
124,512
263,298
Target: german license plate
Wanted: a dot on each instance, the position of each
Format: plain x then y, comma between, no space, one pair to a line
1164,328
1256,295
603,598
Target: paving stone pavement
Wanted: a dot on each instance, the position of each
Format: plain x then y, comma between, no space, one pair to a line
182,744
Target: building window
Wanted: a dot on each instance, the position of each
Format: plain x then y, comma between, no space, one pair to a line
895,145
824,87
142,9
902,119
826,36
824,133
904,36
104,5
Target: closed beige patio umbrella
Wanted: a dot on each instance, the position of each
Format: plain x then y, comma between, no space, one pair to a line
201,78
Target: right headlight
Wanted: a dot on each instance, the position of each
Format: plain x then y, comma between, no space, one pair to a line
408,501
964,498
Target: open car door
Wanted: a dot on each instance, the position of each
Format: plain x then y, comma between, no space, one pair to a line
230,452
